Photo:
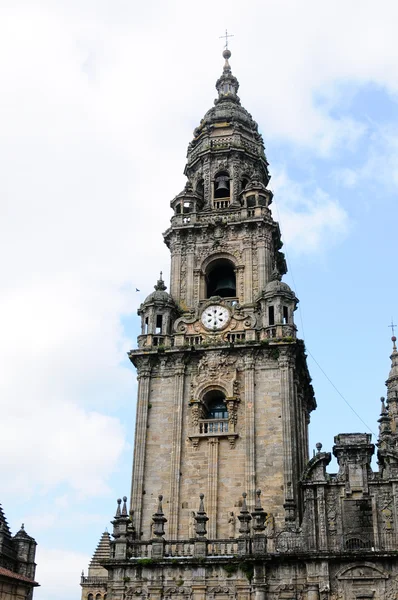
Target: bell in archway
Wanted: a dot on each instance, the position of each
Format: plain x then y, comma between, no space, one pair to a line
225,287
222,183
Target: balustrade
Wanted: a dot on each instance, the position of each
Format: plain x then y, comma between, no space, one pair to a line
213,426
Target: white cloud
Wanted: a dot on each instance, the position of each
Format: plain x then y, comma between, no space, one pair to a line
310,220
58,573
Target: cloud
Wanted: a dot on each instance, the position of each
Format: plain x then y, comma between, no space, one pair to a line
310,220
55,566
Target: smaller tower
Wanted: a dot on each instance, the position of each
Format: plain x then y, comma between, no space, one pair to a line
26,551
388,421
157,313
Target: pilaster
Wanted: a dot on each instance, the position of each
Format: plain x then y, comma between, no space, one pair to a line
250,466
175,466
212,485
144,374
289,442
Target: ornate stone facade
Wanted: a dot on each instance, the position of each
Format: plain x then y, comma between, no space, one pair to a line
225,502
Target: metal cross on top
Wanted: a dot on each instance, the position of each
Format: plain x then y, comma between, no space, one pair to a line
392,326
226,36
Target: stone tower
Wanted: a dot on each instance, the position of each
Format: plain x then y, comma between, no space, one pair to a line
225,503
224,394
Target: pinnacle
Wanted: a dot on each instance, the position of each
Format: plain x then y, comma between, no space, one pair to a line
102,551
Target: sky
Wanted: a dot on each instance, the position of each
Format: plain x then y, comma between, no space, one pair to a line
98,104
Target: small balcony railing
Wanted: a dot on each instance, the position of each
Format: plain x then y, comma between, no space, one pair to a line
221,204
213,426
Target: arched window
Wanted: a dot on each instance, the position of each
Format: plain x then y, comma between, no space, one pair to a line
222,185
221,279
215,405
98,597
200,188
90,597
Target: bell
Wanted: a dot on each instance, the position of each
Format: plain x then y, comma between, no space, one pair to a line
225,287
222,183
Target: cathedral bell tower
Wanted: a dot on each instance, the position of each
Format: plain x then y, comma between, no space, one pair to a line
224,394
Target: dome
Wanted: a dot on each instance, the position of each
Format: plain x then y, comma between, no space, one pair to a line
159,296
275,286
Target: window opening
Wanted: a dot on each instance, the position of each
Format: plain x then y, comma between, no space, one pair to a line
244,183
187,207
200,189
251,201
159,320
146,326
178,209
285,315
216,408
271,315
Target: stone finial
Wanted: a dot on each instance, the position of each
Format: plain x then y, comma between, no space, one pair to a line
318,446
276,274
259,515
160,283
124,509
244,518
118,511
159,519
201,519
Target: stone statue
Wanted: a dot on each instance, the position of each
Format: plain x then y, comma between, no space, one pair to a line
231,525
191,525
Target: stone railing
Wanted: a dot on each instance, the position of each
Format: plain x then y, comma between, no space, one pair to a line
221,203
213,426
100,581
185,548
280,331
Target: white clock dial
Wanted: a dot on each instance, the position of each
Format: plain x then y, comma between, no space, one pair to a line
215,316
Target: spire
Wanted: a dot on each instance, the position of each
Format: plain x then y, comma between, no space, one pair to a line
227,85
201,519
102,551
160,283
4,528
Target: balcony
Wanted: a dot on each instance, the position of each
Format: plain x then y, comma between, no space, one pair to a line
213,426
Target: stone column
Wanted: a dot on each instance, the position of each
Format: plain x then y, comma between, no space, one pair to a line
322,527
144,375
261,266
189,274
248,260
175,271
212,486
175,466
250,464
269,256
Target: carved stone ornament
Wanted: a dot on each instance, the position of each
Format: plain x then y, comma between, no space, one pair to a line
182,593
135,592
221,593
215,369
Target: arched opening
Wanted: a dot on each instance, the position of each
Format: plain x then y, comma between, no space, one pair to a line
243,183
214,401
98,597
200,188
222,185
221,279
90,597
215,414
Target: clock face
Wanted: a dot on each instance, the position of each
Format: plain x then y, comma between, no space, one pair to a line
215,316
